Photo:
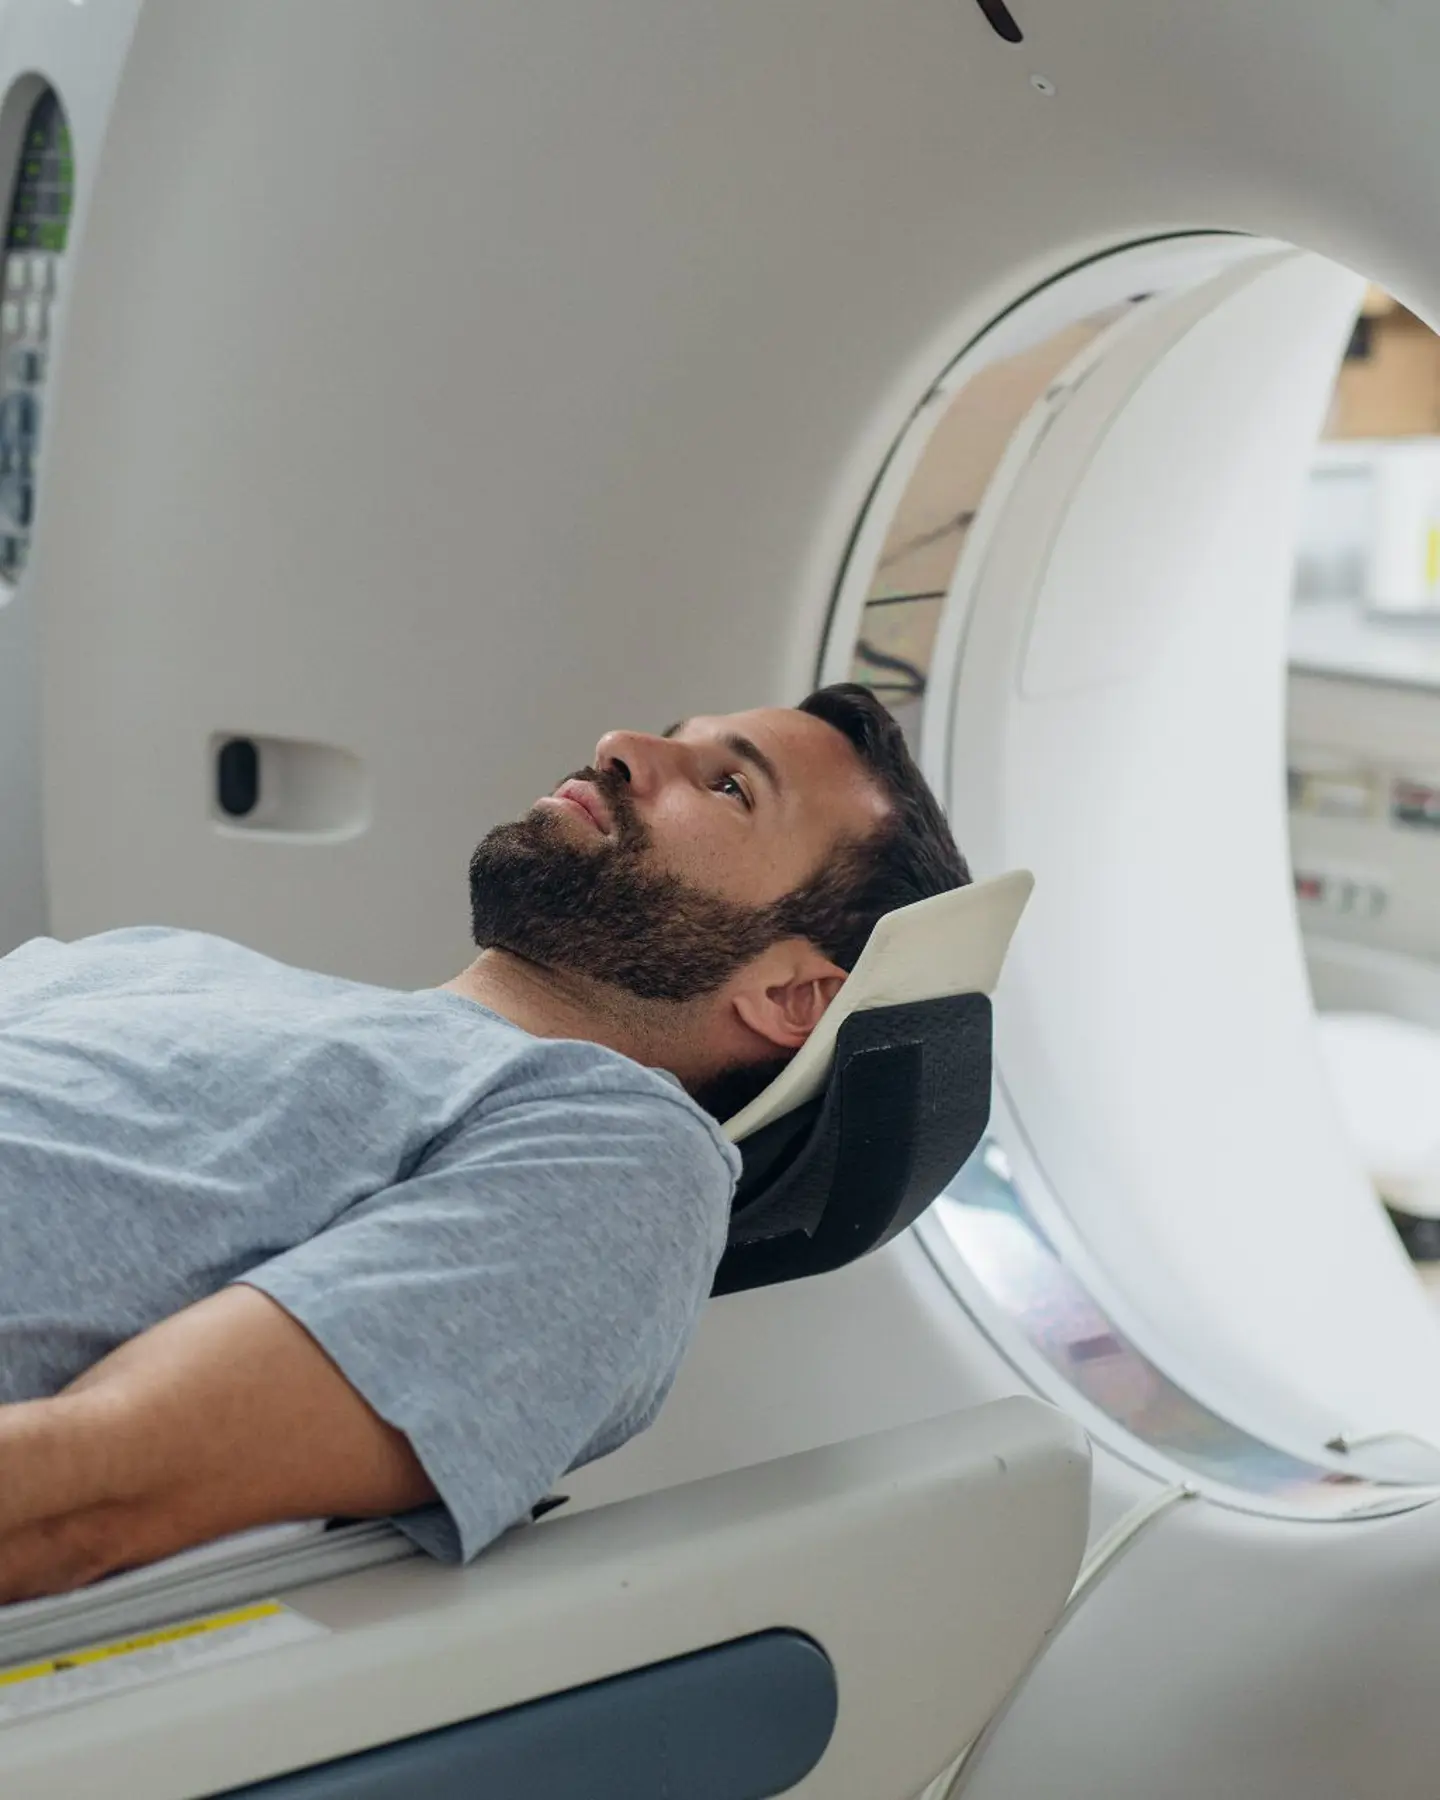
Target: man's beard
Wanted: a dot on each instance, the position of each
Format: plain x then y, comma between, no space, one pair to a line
598,911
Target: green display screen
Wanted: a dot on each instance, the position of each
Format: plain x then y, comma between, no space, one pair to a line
44,183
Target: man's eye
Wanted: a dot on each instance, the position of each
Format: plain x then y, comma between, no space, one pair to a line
733,785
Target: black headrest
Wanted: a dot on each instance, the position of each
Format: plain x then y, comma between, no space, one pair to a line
906,1101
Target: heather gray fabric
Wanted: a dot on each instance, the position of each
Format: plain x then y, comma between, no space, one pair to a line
503,1241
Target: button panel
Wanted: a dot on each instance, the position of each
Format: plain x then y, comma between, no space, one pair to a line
1415,804
1336,795
1343,893
36,234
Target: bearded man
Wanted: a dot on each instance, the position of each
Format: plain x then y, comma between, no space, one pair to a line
276,1245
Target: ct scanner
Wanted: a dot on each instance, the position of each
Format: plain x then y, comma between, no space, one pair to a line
429,386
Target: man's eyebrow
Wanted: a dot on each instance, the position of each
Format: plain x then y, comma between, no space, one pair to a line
739,745
751,752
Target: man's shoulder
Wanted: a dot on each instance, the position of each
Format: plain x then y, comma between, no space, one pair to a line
606,1087
109,953
132,940
601,1151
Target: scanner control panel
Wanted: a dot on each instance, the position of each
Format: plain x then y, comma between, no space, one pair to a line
36,232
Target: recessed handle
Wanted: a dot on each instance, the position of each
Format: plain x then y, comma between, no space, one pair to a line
265,787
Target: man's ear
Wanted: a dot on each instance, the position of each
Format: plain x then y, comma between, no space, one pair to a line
783,993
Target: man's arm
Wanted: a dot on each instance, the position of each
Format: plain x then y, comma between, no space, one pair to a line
227,1415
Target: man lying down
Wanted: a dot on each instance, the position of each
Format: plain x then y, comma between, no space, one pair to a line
275,1245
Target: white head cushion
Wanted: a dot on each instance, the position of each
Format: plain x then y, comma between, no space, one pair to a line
1386,1074
953,943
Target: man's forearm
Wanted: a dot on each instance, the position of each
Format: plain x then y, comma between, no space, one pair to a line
85,1488
46,1465
224,1417
65,1494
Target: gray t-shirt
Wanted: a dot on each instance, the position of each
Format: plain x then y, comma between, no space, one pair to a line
503,1241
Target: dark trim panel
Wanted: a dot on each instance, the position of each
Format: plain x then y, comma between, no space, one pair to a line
742,1721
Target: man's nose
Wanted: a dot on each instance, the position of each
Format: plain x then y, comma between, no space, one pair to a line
637,757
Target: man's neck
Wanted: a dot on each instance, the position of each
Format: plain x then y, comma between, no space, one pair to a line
555,1004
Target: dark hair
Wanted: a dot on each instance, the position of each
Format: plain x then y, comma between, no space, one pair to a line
910,857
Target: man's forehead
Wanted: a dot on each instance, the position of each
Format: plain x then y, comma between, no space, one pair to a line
816,765
795,739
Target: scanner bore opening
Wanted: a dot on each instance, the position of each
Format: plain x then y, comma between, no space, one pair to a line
899,623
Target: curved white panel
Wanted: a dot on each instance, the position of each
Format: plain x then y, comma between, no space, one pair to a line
1231,1655
1154,1030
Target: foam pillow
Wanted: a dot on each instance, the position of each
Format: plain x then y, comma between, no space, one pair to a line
1386,1074
953,943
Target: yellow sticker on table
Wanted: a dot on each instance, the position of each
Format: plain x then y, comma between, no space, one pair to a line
96,1670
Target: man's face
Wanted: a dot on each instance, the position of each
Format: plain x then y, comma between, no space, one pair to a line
656,868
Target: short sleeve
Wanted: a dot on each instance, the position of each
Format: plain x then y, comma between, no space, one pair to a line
520,1304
